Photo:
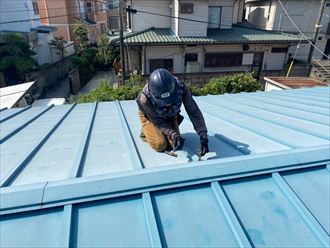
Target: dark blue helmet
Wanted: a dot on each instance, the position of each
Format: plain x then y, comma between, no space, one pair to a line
162,87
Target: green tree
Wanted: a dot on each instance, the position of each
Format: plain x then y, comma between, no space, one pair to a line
81,31
102,44
59,44
85,64
17,53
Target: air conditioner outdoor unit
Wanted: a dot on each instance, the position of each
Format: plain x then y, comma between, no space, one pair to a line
193,67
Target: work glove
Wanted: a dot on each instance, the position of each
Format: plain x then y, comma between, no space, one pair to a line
203,145
178,142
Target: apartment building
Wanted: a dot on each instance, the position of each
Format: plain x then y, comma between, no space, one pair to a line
23,16
294,16
65,13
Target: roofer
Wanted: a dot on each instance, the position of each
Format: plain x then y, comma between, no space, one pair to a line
159,105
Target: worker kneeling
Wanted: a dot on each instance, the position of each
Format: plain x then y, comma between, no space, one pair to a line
159,105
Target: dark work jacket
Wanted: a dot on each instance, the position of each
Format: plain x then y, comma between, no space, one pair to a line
148,108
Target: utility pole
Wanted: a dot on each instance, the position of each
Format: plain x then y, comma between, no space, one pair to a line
121,44
317,26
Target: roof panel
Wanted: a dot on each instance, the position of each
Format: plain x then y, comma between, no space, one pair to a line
209,227
41,228
83,171
316,183
119,223
267,215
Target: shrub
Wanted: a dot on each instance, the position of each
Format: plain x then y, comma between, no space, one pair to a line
85,64
105,92
228,84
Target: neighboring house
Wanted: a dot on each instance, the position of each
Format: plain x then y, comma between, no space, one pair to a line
113,15
200,36
23,17
291,16
64,14
283,83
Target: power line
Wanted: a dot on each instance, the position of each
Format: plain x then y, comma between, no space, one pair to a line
49,17
300,30
95,6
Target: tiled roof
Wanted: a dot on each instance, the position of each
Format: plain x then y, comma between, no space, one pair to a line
80,176
44,29
236,34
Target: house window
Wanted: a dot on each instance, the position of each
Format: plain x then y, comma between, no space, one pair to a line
187,8
113,4
214,17
190,57
99,6
279,50
327,5
160,64
223,59
113,22
89,7
35,8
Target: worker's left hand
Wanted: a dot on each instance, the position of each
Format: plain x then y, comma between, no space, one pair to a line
203,146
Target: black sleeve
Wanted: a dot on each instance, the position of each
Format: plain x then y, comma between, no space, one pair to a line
193,111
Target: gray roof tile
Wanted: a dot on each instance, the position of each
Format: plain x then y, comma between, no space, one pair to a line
235,35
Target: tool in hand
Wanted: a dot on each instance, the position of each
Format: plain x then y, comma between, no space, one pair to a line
171,153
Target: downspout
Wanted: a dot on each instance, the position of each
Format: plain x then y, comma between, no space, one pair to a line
145,59
203,59
183,58
280,22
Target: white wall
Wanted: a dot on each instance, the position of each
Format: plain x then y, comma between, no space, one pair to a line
17,10
270,86
69,48
226,17
302,15
174,13
271,61
142,21
190,28
163,52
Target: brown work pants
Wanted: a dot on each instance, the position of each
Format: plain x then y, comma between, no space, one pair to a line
155,138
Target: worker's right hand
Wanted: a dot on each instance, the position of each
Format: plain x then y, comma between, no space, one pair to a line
178,142
203,146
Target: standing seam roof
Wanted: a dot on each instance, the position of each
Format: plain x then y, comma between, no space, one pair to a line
79,175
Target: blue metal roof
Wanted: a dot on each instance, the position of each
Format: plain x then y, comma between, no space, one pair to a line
79,175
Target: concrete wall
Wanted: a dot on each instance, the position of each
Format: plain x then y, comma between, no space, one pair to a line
200,79
49,77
